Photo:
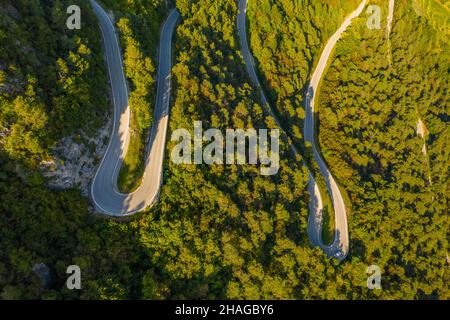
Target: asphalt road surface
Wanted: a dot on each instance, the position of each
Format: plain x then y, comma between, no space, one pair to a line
104,192
340,246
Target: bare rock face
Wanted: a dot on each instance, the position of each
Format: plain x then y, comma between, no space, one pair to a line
43,272
421,129
422,132
75,159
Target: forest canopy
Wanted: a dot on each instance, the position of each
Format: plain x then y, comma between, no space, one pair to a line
226,232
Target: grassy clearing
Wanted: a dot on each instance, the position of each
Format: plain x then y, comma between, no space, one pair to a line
328,220
130,175
139,52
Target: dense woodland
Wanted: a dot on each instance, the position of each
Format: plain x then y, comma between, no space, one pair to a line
376,92
52,79
286,38
225,231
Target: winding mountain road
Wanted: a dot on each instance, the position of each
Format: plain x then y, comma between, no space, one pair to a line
104,192
340,246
